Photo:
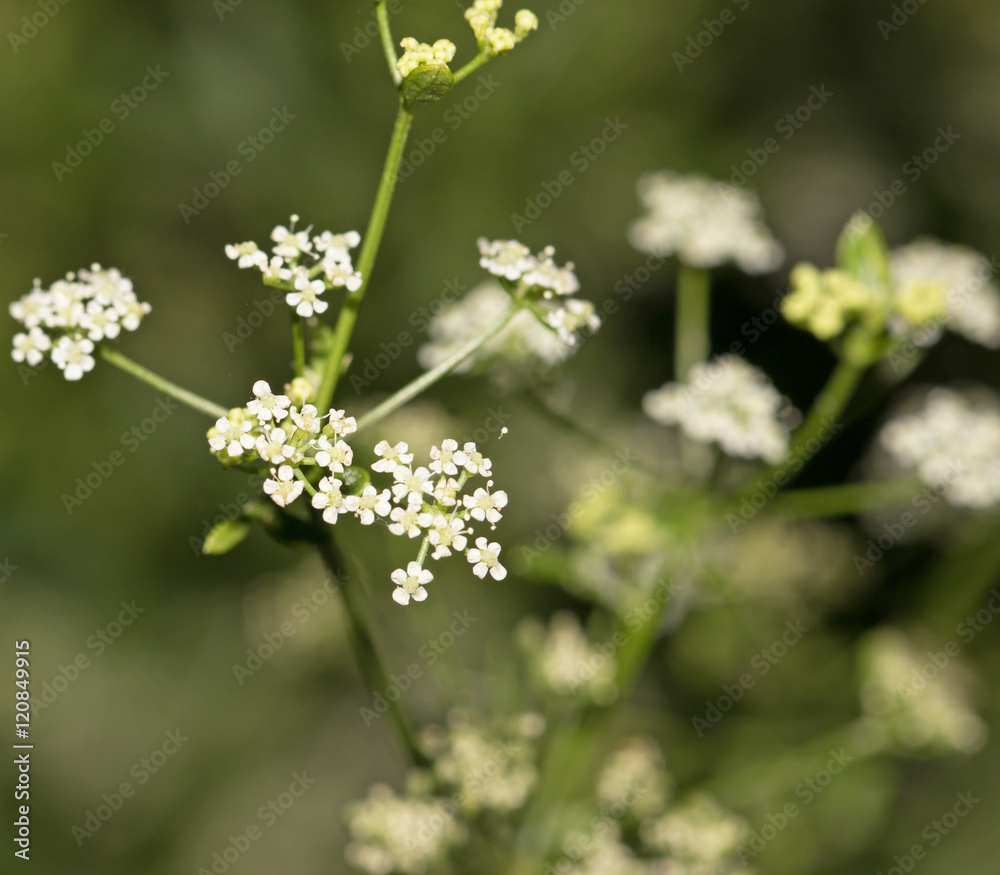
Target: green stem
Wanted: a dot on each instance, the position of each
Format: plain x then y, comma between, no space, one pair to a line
826,409
411,390
388,44
693,337
362,639
299,342
845,499
471,67
202,405
366,258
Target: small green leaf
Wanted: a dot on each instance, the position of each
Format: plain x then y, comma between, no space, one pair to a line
225,536
426,84
863,252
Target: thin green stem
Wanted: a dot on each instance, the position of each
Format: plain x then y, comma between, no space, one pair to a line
471,67
363,641
299,342
411,390
693,336
388,43
845,499
202,405
366,258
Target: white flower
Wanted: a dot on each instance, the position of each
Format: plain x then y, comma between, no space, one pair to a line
391,456
728,401
100,322
233,436
972,298
290,243
336,247
342,425
546,274
414,484
953,441
368,504
409,521
507,258
283,488
700,833
306,299
277,270
446,492
524,339
266,405
73,357
475,461
246,255
572,316
448,459
485,506
485,558
566,661
410,583
330,499
336,456
271,446
341,274
30,346
446,535
306,419
704,223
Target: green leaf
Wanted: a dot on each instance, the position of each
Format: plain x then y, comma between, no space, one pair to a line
863,252
225,536
426,84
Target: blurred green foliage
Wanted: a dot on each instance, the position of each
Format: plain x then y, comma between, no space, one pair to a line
594,60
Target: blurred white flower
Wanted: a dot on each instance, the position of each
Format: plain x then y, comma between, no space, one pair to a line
728,401
705,223
953,442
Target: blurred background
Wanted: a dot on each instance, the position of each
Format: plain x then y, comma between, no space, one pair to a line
224,70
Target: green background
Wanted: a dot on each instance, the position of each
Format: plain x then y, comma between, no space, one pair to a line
595,60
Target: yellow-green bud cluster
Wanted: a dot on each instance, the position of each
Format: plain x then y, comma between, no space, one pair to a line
493,40
419,54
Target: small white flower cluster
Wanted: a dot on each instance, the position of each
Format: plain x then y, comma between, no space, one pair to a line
953,442
475,768
972,299
390,833
636,773
728,401
698,836
911,703
418,54
483,772
330,265
68,318
566,663
549,327
428,502
705,223
288,433
493,40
